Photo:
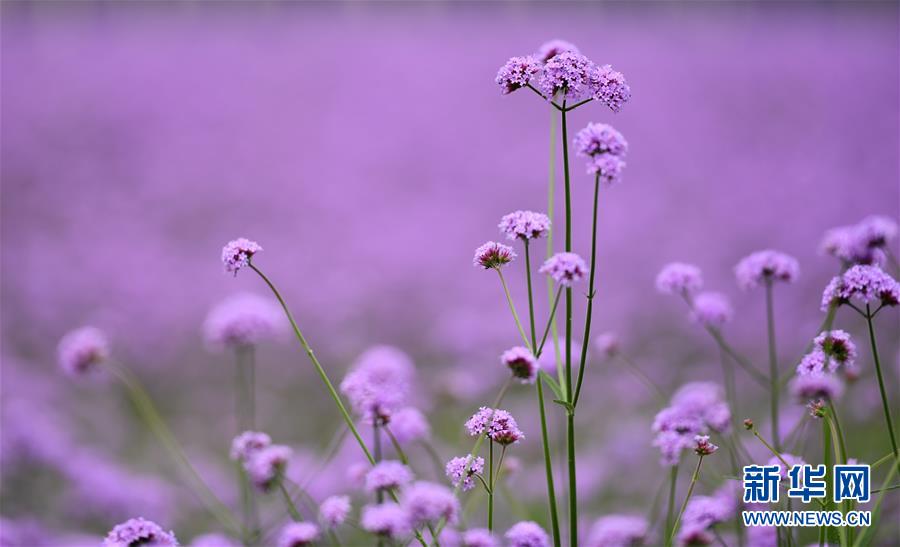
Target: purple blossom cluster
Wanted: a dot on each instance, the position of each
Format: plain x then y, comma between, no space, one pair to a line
766,266
704,512
695,409
525,225
388,475
618,531
522,363
81,350
493,255
865,284
679,278
243,320
605,149
139,531
498,425
333,511
711,309
263,461
816,381
565,268
298,534
236,254
861,243
462,469
379,383
527,534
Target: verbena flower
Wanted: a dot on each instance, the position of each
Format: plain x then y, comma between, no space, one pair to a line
791,460
866,284
712,309
334,510
609,87
517,73
765,267
237,253
565,268
527,534
607,344
81,350
298,534
266,466
551,49
702,446
607,167
498,425
705,400
700,515
679,278
479,537
139,531
247,443
428,502
600,138
493,255
386,519
524,225
696,408
569,74
862,243
618,531
243,320
522,363
408,424
379,382
816,386
815,362
388,475
460,471
837,345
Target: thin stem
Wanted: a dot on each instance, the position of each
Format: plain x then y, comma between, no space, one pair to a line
694,478
244,418
576,105
318,366
591,293
548,465
551,195
884,398
491,481
396,444
376,452
289,503
673,481
573,494
742,361
551,324
773,366
512,308
530,296
642,376
863,538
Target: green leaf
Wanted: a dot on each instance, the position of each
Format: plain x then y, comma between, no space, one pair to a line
550,381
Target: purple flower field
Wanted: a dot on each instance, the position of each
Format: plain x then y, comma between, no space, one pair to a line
461,275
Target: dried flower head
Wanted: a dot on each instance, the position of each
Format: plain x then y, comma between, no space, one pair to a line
609,87
493,255
237,253
428,502
679,278
867,284
243,320
618,531
139,531
267,465
462,469
298,534
334,510
711,309
244,445
764,267
600,138
387,475
386,519
527,534
517,73
565,268
525,225
81,350
568,74
522,363
702,446
553,48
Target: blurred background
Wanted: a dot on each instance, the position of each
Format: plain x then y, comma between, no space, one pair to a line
369,151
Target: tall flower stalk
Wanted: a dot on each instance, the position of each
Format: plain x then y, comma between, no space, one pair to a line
889,421
773,366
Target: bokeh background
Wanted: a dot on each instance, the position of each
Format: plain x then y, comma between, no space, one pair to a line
367,148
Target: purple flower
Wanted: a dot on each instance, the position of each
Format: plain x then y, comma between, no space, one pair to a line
517,73
607,344
762,536
385,519
679,278
298,534
247,443
266,466
600,138
701,514
479,537
522,363
334,510
243,320
82,349
527,534
139,531
711,309
876,231
765,267
702,446
816,386
568,73
409,424
618,531
553,48
610,88
851,246
837,345
670,445
460,470
696,407
237,254
379,382
525,225
387,475
607,167
427,502
498,425
705,400
565,268
864,283
493,255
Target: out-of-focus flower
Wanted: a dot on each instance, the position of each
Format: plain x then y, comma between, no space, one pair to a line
618,531
837,345
460,470
237,253
568,73
517,73
765,267
243,320
522,363
408,424
711,309
379,382
334,510
247,443
525,225
705,400
816,386
298,534
695,408
607,167
700,515
867,284
493,255
609,87
428,502
387,475
214,540
498,425
791,460
702,446
552,48
607,344
862,243
82,349
679,278
386,519
762,536
139,531
565,268
600,138
479,537
267,465
527,534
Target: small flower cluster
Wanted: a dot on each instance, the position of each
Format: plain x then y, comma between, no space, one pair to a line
498,425
243,320
866,284
264,462
81,350
527,534
565,268
694,410
704,512
618,531
679,278
237,254
420,504
139,531
493,255
522,363
816,381
764,267
461,470
388,475
379,383
524,225
298,534
711,309
334,511
861,243
605,149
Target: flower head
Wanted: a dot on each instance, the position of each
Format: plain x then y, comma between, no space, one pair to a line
298,534
876,231
553,48
479,537
525,225
867,284
266,466
139,531
711,309
493,255
334,510
387,475
527,534
517,73
816,386
700,515
81,350
702,446
697,407
522,363
837,345
765,267
565,268
379,382
609,87
607,167
243,320
247,443
679,278
428,502
237,253
568,73
460,471
497,424
409,424
618,531
385,519
600,138
608,344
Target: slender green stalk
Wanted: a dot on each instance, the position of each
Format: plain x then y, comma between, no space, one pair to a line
530,298
690,491
551,323
773,366
840,457
884,399
376,452
865,538
673,481
396,444
289,503
315,361
491,490
827,442
245,418
512,308
551,205
548,466
591,293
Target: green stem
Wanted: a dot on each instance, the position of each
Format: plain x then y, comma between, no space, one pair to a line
551,324
289,503
530,297
642,376
318,366
673,481
491,490
396,444
548,466
840,457
244,416
591,293
864,538
827,447
573,494
884,399
376,452
773,365
742,361
694,478
512,308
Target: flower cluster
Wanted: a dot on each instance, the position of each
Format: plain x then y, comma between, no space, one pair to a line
462,469
565,268
408,424
334,510
694,410
711,309
379,382
605,149
867,284
679,278
618,531
525,225
702,446
764,267
527,534
236,254
388,475
861,243
704,512
479,537
522,363
388,520
243,320
81,350
498,425
139,531
816,381
264,462
298,534
493,255
517,73
428,503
